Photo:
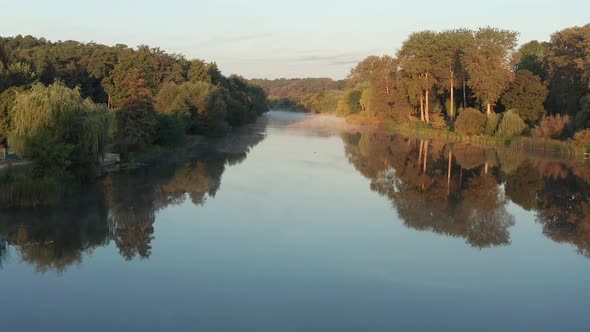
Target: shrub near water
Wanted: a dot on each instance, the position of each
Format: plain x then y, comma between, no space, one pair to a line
551,126
470,122
511,125
582,140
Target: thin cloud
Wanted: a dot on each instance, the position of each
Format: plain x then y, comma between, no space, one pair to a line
219,41
335,58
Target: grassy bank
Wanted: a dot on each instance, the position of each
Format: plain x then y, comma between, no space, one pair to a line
536,146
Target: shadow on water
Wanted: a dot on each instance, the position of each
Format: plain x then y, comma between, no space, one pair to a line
121,207
462,190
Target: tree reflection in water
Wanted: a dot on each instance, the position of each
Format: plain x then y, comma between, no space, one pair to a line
455,190
463,190
121,207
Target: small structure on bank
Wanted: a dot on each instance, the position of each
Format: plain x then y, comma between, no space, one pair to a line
110,159
5,154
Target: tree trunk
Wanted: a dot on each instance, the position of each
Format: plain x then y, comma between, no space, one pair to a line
427,107
489,109
452,110
486,167
421,107
464,93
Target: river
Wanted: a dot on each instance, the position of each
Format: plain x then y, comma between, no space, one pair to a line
304,223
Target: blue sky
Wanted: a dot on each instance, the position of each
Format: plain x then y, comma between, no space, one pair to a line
263,38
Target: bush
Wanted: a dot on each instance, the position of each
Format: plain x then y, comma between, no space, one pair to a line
48,154
470,122
492,123
511,125
582,140
437,120
551,126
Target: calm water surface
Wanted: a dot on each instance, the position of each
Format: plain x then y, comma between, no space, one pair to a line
295,224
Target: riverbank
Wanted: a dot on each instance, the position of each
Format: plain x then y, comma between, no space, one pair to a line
533,146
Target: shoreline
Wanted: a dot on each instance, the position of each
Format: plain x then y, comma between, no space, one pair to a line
532,146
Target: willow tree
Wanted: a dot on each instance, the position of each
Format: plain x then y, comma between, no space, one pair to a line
417,61
7,99
489,64
64,119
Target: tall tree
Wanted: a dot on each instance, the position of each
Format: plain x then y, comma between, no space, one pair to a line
525,96
450,48
418,63
531,56
569,69
489,64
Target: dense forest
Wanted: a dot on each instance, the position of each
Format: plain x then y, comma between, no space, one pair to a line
472,82
319,95
63,104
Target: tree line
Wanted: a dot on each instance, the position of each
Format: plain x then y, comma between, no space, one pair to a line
63,103
317,95
475,82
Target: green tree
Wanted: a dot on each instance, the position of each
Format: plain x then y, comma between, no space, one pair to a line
451,46
378,96
526,96
350,103
7,100
488,63
569,69
135,125
417,61
531,56
201,104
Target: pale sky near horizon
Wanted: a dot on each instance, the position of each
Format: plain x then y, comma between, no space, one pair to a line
273,39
